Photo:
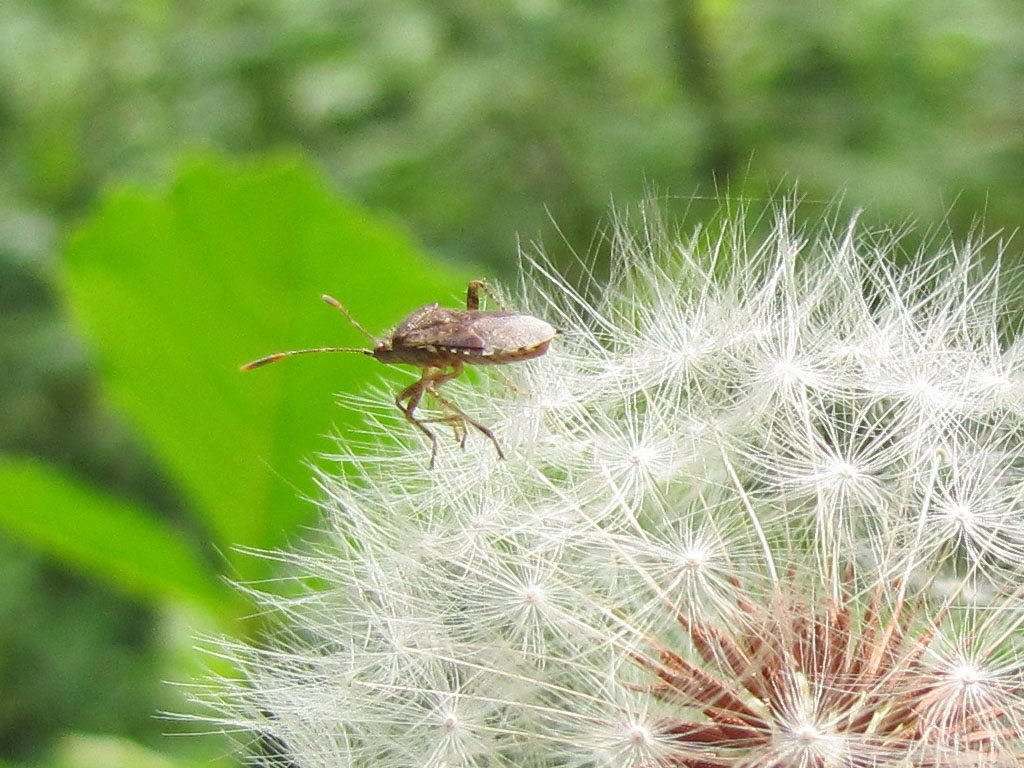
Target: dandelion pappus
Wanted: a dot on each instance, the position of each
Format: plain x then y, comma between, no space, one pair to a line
442,341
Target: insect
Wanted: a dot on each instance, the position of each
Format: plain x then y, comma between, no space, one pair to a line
442,342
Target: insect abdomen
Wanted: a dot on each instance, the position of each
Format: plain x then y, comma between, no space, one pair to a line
507,338
500,356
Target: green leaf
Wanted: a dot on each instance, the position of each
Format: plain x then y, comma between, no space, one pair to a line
175,291
122,544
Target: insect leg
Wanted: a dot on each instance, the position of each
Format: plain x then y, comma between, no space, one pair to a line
413,393
448,404
511,384
473,295
451,416
455,421
435,381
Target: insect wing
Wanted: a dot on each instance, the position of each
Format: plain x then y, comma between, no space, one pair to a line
491,337
426,316
442,327
511,332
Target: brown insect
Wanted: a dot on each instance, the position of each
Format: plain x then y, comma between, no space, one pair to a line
442,342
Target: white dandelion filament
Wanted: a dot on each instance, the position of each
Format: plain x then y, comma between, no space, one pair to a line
762,508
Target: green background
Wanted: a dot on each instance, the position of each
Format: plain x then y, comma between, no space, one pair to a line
180,181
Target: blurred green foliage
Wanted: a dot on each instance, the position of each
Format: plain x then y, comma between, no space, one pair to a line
175,292
472,123
172,291
82,751
120,543
470,117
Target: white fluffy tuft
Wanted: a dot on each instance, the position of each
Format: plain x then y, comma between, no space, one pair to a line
762,506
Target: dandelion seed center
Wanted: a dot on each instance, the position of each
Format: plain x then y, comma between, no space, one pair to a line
844,470
788,371
968,675
642,456
807,734
924,390
638,736
694,558
687,351
959,513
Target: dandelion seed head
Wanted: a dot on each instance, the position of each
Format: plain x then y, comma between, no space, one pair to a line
761,508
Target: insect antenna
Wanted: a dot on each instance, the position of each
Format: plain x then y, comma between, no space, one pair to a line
278,355
339,306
